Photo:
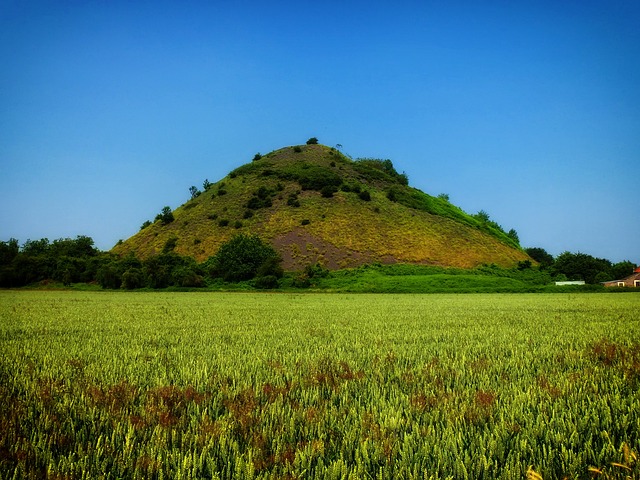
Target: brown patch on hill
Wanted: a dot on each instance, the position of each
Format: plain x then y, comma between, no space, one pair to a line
299,248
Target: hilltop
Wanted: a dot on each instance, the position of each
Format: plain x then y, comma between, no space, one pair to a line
314,204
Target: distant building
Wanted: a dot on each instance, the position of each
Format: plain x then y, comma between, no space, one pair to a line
570,282
632,280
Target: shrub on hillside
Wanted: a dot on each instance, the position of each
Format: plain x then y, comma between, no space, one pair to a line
381,170
165,216
328,190
293,201
365,195
317,178
170,245
262,198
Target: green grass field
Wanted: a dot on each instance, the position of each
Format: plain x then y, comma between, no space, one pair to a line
244,385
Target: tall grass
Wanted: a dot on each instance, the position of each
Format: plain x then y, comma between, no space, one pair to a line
202,385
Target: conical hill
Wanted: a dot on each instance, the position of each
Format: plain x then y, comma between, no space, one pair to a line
313,204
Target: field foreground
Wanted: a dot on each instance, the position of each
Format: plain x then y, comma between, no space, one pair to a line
213,385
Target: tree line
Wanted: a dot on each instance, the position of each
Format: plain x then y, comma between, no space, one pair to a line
581,266
67,261
243,258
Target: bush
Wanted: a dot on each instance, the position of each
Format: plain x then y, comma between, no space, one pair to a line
268,282
365,195
108,276
170,245
166,216
132,279
316,270
313,177
312,141
301,281
186,276
241,257
292,200
223,222
328,190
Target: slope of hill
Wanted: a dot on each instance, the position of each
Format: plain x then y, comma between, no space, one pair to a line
316,205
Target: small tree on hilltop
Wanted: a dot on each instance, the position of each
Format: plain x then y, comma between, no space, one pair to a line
312,141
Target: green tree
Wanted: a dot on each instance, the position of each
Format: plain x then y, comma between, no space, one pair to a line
109,276
540,255
240,258
187,276
8,251
580,266
194,192
622,270
513,235
482,216
312,141
165,216
133,278
36,247
81,247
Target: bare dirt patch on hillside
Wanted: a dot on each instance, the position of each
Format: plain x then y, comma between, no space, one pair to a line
299,248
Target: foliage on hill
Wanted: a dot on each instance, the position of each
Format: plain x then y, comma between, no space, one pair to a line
314,204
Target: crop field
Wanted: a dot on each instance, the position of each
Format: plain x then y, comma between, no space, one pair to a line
329,386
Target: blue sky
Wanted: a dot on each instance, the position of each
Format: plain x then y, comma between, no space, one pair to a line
528,110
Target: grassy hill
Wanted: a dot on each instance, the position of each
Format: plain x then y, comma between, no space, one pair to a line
316,205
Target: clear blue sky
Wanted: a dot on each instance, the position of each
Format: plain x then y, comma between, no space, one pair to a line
528,110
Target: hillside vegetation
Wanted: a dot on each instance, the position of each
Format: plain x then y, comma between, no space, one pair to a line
313,204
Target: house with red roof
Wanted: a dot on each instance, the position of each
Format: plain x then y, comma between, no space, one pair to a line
632,280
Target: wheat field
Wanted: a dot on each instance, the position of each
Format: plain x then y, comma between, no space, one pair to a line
243,385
